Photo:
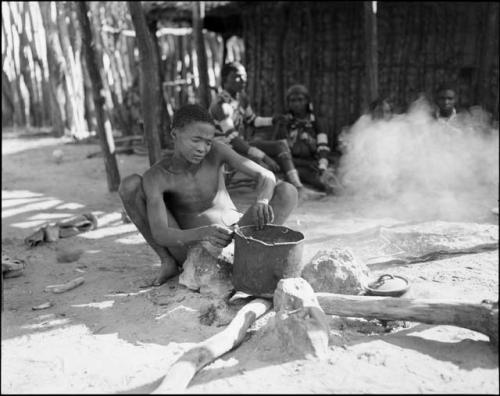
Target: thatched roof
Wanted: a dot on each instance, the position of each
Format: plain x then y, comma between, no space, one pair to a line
220,16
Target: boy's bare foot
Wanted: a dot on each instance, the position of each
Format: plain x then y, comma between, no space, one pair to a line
168,270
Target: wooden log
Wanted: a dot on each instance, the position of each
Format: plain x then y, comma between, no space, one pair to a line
481,317
103,125
184,369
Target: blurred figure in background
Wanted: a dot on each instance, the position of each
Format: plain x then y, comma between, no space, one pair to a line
233,113
307,140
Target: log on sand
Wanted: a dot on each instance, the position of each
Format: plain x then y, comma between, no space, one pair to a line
183,370
481,317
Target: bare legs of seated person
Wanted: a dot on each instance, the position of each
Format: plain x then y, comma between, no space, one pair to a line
279,150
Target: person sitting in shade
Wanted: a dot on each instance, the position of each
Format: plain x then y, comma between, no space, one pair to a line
446,101
233,114
306,137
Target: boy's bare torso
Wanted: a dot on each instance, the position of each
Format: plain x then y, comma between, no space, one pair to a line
196,197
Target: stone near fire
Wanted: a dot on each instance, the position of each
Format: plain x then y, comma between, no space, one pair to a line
336,271
294,293
300,326
207,270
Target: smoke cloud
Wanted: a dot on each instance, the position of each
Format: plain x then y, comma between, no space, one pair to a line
417,167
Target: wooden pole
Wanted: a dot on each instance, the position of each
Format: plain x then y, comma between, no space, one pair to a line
281,19
184,369
55,65
164,126
481,317
486,58
103,125
74,88
150,84
371,48
199,45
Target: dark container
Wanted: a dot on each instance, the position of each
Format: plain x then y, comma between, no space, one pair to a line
263,257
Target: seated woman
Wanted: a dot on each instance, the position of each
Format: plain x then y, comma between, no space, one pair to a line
307,140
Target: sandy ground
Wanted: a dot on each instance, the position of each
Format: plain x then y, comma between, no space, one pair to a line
112,336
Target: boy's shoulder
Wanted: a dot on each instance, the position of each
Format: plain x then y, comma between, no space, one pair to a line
157,172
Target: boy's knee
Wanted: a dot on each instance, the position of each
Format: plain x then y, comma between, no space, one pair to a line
287,191
129,186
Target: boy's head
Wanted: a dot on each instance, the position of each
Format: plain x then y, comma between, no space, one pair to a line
193,131
381,109
298,99
233,77
446,98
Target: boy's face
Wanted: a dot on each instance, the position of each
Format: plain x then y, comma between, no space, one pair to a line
236,80
383,112
194,141
446,100
297,103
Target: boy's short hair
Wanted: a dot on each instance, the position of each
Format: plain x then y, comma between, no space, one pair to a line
445,87
378,103
191,113
228,68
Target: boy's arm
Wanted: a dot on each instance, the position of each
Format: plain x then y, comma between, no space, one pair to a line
157,215
222,114
266,180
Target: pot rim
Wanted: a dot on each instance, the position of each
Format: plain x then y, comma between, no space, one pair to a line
238,232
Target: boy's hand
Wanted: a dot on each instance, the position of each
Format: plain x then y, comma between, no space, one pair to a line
216,234
262,213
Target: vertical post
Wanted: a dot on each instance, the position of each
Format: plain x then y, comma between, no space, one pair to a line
487,52
103,125
150,84
281,18
199,45
371,52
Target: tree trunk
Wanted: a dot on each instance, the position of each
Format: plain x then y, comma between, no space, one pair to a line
370,18
103,125
164,128
56,64
199,45
150,86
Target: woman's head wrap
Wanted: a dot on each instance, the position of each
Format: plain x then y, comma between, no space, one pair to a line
297,89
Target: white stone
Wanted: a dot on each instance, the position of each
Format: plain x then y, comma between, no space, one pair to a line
336,271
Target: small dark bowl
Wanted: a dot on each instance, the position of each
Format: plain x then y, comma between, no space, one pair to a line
388,285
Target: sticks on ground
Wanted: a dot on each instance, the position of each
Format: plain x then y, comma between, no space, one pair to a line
193,360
